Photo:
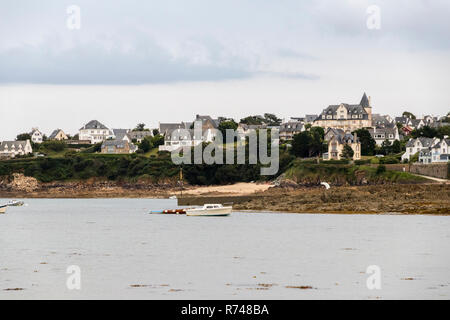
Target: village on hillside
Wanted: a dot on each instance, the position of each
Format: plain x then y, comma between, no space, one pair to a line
349,131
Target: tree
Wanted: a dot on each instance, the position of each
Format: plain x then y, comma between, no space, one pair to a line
224,125
386,147
155,132
140,127
347,152
300,144
396,147
23,137
252,120
317,137
367,142
157,140
425,131
408,114
146,144
271,119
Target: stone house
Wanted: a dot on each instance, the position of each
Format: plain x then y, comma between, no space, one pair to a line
346,116
336,145
118,147
289,129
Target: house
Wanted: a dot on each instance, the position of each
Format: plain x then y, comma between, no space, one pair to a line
331,132
59,135
117,146
36,136
346,116
181,137
404,121
308,118
381,134
121,134
138,136
336,146
414,146
406,131
438,152
95,132
417,123
289,129
381,121
10,149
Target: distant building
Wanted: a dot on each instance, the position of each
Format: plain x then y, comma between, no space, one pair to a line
95,132
414,146
346,116
59,135
138,136
118,147
337,142
437,152
289,129
179,138
11,149
36,136
381,134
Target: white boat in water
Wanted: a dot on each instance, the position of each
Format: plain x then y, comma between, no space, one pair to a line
15,203
210,210
3,209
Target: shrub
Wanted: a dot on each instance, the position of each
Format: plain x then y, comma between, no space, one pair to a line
381,169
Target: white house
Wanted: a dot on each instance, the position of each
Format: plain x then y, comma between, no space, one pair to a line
36,136
416,145
289,129
438,152
14,148
180,137
95,132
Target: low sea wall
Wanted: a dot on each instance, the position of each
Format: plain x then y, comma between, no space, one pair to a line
437,170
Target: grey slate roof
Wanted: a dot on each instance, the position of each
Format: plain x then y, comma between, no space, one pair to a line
165,128
215,122
94,124
426,142
291,126
120,133
10,144
54,133
116,143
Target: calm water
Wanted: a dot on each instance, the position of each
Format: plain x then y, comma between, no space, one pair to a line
125,253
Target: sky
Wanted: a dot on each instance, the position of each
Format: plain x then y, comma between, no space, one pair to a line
166,61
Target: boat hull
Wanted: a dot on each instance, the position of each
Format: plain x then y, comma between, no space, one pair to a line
3,210
214,212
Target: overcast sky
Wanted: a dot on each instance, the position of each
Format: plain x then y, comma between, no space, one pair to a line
148,61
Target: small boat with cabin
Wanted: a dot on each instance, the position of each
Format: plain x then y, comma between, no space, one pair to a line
210,210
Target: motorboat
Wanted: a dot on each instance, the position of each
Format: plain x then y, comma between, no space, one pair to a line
15,203
210,210
3,208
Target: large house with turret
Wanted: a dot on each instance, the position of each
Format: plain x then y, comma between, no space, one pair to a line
346,116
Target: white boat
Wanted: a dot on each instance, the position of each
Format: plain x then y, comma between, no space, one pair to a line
15,203
3,209
210,210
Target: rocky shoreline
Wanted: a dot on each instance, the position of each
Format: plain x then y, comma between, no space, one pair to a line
430,198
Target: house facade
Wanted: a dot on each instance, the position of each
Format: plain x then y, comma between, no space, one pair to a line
138,136
346,116
11,149
414,146
336,145
382,134
289,129
59,135
117,147
179,138
95,132
437,153
36,136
